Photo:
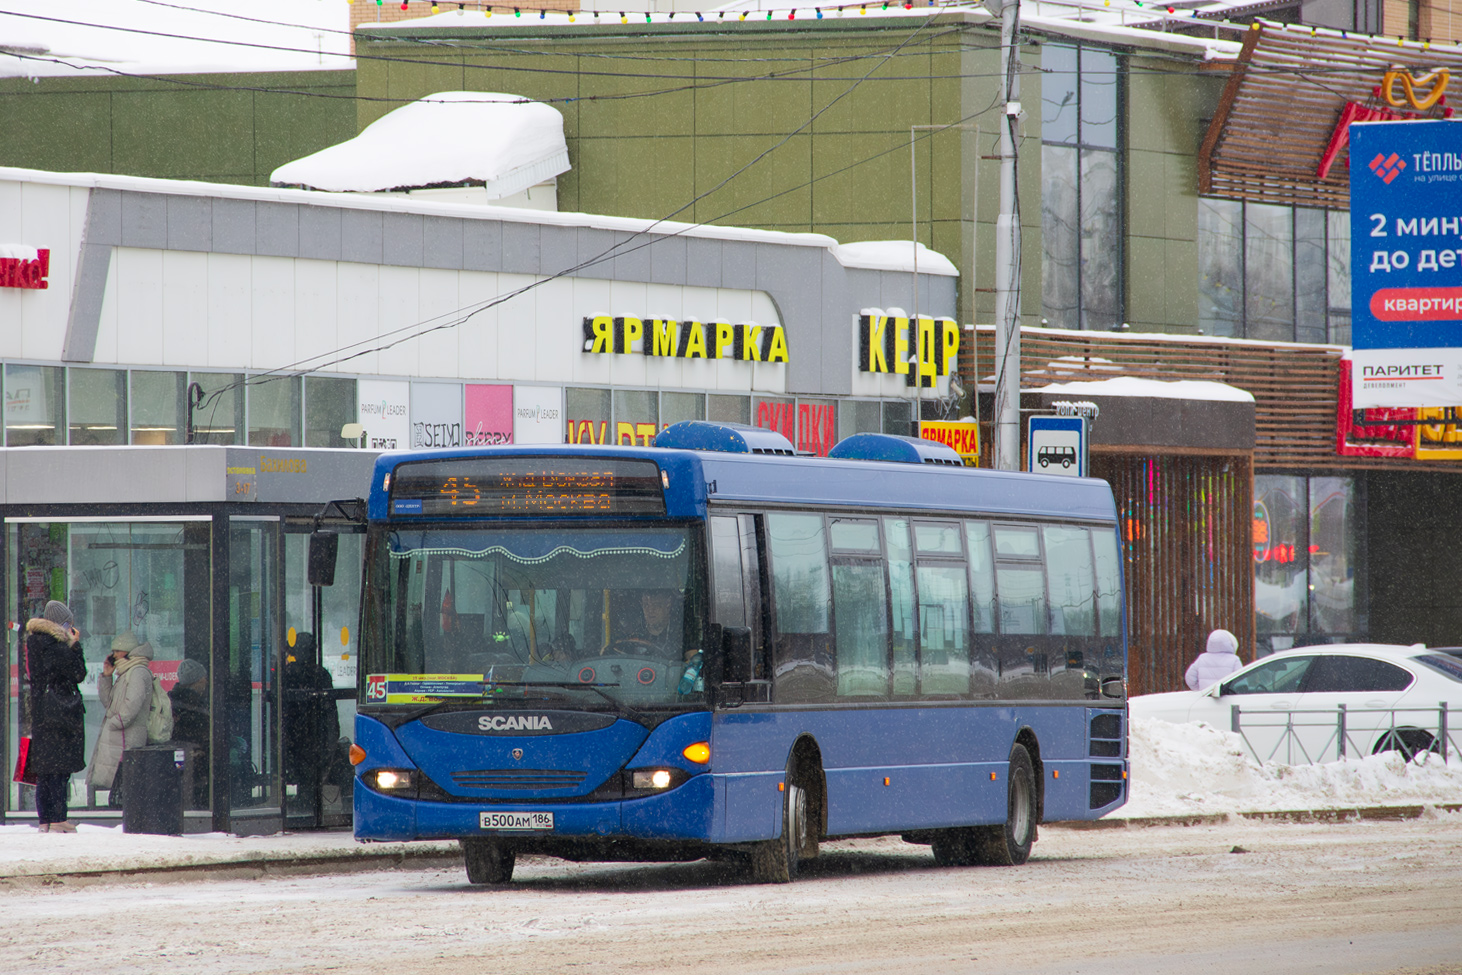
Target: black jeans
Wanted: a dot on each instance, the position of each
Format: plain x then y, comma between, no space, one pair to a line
51,797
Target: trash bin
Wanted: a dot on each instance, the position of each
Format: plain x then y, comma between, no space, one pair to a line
155,780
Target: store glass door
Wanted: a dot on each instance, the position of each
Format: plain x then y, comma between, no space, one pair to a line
249,691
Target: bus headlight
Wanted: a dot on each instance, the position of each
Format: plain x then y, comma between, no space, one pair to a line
652,779
390,780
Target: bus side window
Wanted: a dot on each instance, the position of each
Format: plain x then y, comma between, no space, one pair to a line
1071,582
730,606
1109,600
983,671
803,665
1020,584
901,593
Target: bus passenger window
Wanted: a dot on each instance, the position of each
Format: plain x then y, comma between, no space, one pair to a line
901,588
726,564
944,644
1013,542
803,666
936,538
1069,577
982,575
1022,600
860,619
853,535
1109,582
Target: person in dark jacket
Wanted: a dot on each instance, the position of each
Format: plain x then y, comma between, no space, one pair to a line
191,722
57,716
311,720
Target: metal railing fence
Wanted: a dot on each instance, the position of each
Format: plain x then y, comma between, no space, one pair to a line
1316,736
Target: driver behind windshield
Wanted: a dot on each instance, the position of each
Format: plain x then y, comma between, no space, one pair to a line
658,632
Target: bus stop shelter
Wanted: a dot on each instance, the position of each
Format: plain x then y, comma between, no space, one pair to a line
200,551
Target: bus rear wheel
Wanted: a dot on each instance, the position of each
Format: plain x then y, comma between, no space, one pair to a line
1009,844
488,862
776,861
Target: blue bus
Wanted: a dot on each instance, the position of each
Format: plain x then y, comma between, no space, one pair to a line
714,647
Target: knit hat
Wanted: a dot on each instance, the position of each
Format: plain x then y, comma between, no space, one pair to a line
191,672
126,640
59,613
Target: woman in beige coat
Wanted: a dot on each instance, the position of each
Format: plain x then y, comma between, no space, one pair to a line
125,690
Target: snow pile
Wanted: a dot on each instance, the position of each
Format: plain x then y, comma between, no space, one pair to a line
504,142
1199,389
1186,769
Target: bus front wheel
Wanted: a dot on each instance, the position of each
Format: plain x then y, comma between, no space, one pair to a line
1009,844
487,862
775,861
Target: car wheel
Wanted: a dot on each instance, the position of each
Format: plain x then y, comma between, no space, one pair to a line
488,862
1410,742
1009,844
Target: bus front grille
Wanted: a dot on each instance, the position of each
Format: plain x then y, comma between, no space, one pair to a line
518,778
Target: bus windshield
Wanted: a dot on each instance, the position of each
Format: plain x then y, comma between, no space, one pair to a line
616,608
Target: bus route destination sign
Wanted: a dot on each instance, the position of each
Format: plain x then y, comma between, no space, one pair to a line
1406,263
525,486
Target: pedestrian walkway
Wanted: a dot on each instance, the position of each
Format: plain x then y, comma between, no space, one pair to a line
95,853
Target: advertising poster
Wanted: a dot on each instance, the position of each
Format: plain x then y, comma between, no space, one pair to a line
1406,263
436,415
537,414
489,415
384,408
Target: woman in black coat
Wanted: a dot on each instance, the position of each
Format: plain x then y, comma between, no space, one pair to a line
57,716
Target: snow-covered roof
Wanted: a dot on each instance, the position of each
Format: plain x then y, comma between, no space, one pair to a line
895,255
503,142
414,204
74,37
1153,388
1135,23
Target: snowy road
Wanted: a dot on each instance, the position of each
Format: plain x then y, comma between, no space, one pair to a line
1361,897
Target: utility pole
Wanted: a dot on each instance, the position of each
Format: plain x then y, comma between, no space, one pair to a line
1006,448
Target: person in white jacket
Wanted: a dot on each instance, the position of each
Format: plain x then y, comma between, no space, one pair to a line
125,690
1217,662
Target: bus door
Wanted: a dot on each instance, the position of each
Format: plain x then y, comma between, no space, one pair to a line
737,580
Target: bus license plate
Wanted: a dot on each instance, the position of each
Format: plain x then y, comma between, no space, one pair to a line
522,821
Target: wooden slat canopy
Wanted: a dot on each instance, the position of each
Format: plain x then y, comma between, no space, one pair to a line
1295,387
1281,105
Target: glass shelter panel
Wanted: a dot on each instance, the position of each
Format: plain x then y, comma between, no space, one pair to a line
122,579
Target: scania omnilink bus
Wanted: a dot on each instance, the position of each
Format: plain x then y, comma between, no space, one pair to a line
714,647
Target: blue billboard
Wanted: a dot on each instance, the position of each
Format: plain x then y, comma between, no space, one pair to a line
1406,262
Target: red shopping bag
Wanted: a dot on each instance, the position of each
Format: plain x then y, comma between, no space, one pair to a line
23,771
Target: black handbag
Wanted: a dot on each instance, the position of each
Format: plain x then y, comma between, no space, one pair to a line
60,707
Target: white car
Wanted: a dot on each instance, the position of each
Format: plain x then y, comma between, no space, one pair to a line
1294,705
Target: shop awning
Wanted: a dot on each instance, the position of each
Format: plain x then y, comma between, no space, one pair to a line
503,143
1279,135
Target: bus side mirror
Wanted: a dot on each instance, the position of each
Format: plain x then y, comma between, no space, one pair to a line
323,549
736,654
1114,687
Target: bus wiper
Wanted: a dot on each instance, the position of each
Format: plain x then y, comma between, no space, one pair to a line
618,705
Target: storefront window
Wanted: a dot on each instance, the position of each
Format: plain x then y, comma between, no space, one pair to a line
219,416
1307,535
1268,272
159,411
675,407
636,417
35,405
859,416
1338,267
98,410
329,405
728,409
587,412
130,577
898,418
274,412
817,426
